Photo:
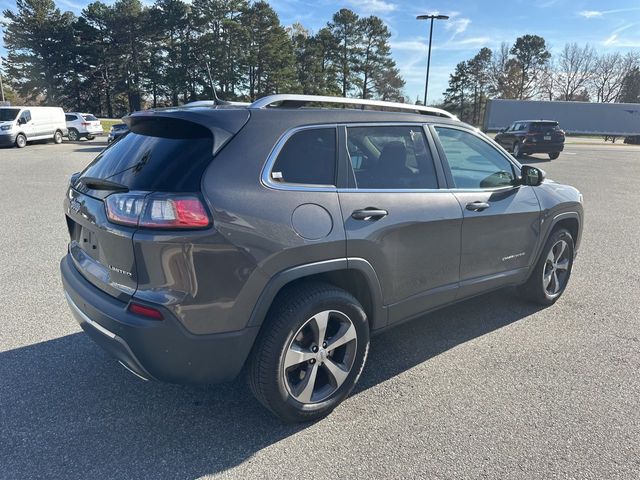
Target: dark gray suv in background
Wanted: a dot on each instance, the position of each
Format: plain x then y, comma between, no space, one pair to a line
273,239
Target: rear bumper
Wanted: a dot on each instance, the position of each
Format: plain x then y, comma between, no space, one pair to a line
541,147
154,349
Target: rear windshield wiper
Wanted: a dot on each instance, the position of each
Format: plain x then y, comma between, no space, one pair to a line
102,184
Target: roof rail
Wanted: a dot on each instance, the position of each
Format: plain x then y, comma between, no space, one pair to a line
297,101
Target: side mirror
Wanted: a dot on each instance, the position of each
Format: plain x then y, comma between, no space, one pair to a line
531,175
502,130
21,121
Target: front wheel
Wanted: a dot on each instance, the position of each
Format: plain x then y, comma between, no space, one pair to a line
310,353
554,155
551,274
516,150
21,141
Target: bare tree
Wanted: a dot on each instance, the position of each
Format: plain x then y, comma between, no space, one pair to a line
575,69
548,83
503,73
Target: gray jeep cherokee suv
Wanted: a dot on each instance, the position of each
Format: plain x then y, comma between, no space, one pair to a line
275,238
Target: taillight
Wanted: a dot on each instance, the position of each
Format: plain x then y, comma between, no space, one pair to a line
157,210
125,208
85,124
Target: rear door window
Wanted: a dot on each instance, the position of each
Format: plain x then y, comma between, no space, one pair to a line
70,118
308,157
391,157
171,159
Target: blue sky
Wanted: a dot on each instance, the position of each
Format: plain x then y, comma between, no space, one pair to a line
607,26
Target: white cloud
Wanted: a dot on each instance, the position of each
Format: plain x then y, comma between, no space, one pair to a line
369,7
590,13
611,40
457,24
600,13
421,44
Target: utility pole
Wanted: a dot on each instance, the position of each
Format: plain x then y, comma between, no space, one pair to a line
432,18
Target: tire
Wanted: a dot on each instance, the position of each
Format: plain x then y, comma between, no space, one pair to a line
21,140
554,155
516,150
91,137
57,137
73,135
290,335
554,266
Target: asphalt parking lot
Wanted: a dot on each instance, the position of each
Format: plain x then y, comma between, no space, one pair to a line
490,388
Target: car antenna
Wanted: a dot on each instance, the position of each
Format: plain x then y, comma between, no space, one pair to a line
216,100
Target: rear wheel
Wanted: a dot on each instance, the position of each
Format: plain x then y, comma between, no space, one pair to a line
21,141
90,137
551,274
311,353
554,155
74,136
57,137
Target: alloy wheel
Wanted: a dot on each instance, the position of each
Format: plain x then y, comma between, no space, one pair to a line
556,269
320,356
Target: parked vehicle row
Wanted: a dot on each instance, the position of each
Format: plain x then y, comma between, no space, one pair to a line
273,239
20,125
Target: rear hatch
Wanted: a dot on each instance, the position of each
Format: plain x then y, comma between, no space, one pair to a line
546,132
91,123
162,158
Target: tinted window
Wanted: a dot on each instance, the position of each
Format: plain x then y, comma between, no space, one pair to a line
89,118
8,114
388,157
26,116
308,157
155,163
473,162
70,118
544,126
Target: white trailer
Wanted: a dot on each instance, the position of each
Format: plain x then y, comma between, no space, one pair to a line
607,119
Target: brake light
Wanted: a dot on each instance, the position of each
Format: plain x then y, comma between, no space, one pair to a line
86,124
157,210
145,311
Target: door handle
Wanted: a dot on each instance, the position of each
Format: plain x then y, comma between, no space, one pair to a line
478,206
369,214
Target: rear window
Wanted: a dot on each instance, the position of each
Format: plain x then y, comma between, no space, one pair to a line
308,157
89,118
544,126
156,163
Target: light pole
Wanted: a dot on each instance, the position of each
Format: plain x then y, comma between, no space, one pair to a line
432,18
1,86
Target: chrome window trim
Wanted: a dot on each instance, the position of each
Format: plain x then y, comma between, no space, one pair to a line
265,176
298,187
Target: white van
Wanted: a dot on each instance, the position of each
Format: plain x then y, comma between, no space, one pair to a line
19,125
